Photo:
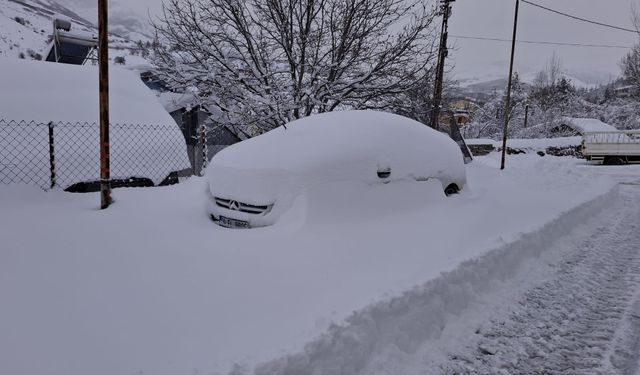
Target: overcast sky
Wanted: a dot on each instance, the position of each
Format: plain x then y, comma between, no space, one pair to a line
494,18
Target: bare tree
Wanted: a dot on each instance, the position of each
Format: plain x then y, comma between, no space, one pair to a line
262,63
631,66
635,17
630,63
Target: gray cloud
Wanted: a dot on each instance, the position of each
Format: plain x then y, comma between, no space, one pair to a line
494,18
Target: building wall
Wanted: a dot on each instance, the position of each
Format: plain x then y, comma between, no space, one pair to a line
191,125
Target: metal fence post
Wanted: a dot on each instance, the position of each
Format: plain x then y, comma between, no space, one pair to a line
52,156
203,139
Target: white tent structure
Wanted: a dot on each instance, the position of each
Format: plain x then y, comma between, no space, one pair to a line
145,141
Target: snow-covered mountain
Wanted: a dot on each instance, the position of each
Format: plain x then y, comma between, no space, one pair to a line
129,19
489,77
25,26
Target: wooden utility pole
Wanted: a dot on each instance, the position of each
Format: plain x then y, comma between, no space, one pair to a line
445,9
508,104
103,64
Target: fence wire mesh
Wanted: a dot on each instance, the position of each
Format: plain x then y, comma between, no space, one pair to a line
66,155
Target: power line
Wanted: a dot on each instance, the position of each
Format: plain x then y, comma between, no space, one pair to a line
540,42
580,18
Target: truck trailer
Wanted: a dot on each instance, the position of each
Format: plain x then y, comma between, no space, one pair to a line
612,148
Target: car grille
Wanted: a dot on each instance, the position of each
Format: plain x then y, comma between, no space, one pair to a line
232,205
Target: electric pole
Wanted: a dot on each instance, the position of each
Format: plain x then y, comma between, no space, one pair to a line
508,104
445,10
103,67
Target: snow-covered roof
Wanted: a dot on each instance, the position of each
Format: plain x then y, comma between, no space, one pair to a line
44,91
173,101
587,125
624,88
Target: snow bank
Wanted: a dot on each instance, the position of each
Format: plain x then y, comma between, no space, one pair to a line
145,141
196,298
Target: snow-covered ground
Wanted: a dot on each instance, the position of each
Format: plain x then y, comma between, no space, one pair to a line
29,34
579,313
387,281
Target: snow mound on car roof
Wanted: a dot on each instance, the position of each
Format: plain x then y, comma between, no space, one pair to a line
335,146
344,136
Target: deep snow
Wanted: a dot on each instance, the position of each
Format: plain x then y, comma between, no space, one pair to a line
153,286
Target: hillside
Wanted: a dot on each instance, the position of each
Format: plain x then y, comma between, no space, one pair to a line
25,26
493,76
25,29
128,19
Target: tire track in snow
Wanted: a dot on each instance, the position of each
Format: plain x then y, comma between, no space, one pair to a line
410,334
585,320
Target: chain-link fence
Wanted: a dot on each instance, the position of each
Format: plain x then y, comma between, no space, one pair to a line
66,155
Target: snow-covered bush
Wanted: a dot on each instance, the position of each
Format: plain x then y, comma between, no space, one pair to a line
622,113
631,68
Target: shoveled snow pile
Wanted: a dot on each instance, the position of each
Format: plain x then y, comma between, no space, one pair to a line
145,140
152,286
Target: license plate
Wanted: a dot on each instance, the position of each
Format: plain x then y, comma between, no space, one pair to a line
233,223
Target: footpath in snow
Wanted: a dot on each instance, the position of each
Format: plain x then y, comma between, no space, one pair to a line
153,286
582,317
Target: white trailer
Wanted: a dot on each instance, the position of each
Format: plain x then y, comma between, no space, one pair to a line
612,148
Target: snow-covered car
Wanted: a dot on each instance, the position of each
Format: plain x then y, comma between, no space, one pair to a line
252,183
